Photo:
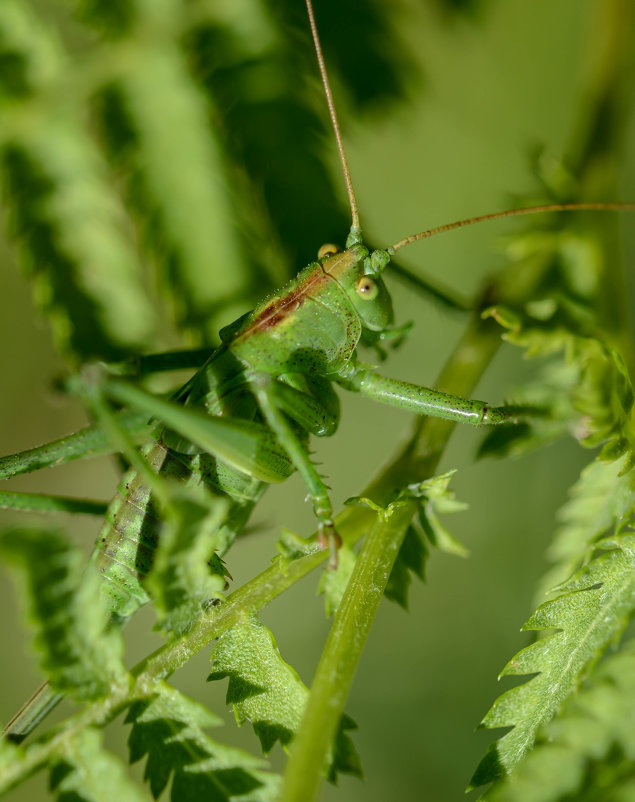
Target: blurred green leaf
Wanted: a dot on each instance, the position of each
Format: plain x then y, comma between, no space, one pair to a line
77,650
85,771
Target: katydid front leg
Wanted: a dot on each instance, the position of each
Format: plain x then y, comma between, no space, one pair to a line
362,379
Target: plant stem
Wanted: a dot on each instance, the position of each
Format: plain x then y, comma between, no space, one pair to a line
88,442
342,652
40,502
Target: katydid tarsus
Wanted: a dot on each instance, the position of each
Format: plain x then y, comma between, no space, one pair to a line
245,418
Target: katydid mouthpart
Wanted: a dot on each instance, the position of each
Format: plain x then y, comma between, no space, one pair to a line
244,420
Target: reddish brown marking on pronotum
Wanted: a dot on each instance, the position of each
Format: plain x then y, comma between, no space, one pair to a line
287,305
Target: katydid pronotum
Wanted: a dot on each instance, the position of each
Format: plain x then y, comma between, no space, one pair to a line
265,390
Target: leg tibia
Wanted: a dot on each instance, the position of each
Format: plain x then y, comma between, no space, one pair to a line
318,491
424,401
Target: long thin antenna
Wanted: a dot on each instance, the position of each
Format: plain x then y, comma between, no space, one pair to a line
547,207
336,128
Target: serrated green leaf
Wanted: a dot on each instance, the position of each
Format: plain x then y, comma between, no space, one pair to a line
267,692
83,770
582,622
333,582
263,689
168,728
155,120
77,650
182,581
588,750
588,394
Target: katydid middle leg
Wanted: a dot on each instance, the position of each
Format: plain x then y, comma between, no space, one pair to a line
267,396
366,381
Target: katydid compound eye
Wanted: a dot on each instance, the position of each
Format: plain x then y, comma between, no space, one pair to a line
328,249
366,288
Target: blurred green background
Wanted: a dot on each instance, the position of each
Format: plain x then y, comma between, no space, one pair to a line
495,84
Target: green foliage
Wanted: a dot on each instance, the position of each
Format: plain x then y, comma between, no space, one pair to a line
169,729
591,613
267,692
586,390
601,501
593,398
83,770
64,211
432,498
588,750
585,387
165,164
77,651
411,559
13,765
182,581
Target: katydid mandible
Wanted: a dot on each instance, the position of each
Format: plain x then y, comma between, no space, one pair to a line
263,392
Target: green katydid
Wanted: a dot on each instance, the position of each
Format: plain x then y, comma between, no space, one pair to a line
245,417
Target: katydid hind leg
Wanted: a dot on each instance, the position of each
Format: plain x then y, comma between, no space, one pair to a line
245,445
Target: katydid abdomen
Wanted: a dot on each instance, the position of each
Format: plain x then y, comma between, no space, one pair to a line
125,550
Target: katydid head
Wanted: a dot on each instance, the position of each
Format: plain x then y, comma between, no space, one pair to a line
358,272
369,294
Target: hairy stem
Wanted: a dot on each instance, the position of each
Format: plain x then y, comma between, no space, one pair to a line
343,649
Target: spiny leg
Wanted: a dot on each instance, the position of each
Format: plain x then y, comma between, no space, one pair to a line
424,401
318,491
